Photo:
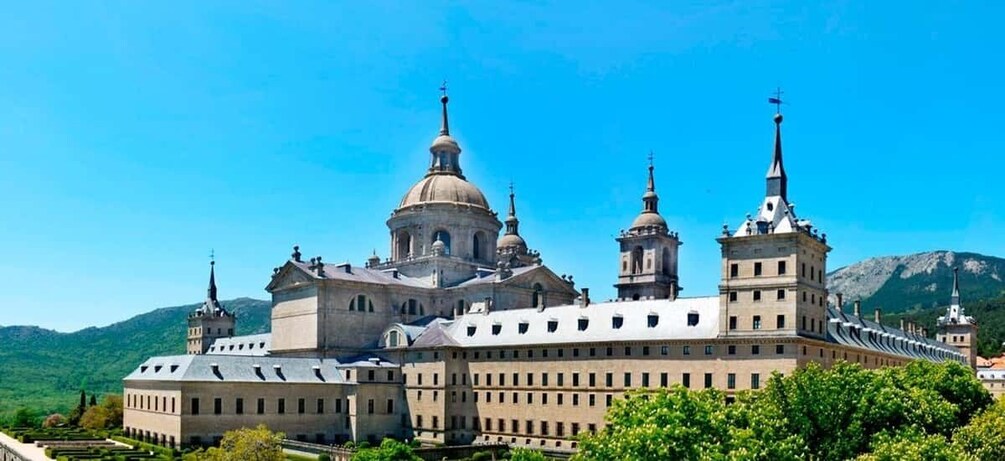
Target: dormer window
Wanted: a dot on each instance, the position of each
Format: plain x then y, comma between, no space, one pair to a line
157,368
552,326
583,324
692,319
496,328
617,321
471,330
522,327
143,369
652,320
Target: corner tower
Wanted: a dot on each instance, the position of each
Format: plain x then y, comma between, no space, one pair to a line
773,266
958,329
210,321
648,253
443,228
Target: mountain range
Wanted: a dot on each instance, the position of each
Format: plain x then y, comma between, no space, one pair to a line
45,369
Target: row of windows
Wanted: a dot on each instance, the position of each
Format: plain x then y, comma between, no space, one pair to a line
582,324
782,269
609,351
262,406
780,295
150,403
371,375
591,378
209,331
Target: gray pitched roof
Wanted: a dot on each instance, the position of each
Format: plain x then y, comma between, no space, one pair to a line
253,345
855,331
229,368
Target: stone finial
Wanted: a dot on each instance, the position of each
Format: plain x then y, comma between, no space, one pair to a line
319,267
296,253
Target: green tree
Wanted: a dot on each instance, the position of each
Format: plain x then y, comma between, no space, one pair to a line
526,454
912,444
984,437
112,403
258,444
78,412
94,400
389,450
95,418
25,417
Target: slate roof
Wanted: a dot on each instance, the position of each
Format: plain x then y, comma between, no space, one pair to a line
361,274
850,330
252,345
230,368
561,324
491,277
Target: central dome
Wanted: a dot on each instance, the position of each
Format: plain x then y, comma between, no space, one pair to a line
444,188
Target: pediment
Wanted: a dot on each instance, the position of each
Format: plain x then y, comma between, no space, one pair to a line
549,281
289,276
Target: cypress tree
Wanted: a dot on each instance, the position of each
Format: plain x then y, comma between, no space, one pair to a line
94,400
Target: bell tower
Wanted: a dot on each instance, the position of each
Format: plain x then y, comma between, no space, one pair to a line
773,266
958,329
210,321
648,253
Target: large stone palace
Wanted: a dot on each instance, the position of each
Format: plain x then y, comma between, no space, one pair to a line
462,336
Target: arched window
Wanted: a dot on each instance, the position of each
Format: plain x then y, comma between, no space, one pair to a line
411,307
404,245
537,298
637,260
460,307
444,237
477,252
361,303
392,339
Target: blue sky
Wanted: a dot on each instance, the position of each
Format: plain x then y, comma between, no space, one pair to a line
136,136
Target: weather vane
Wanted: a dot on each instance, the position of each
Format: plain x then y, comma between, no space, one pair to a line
650,157
511,187
777,100
443,88
212,256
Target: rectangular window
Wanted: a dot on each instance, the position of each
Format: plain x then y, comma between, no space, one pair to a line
593,380
645,379
321,406
708,380
664,350
779,349
530,426
530,398
371,375
390,406
780,295
261,406
593,400
664,379
561,379
732,296
757,322
734,270
217,406
628,380
755,349
803,270
757,295
685,380
239,406
731,349
628,351
686,350
575,379
609,378
575,400
516,379
732,322
436,422
369,406
780,321
731,381
645,350
302,406
757,269
561,398
708,349
281,406
530,379
781,268
755,381
195,406
338,403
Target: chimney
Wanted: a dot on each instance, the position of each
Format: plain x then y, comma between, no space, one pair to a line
840,302
877,315
374,360
858,308
348,268
586,298
902,325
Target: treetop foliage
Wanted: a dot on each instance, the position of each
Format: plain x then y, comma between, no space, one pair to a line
822,414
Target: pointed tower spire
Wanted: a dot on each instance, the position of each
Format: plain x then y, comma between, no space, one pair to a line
211,291
778,182
445,125
650,201
956,287
512,223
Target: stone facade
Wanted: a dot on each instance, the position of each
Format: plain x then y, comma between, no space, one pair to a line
460,338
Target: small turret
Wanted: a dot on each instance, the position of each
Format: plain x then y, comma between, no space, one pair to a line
210,321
